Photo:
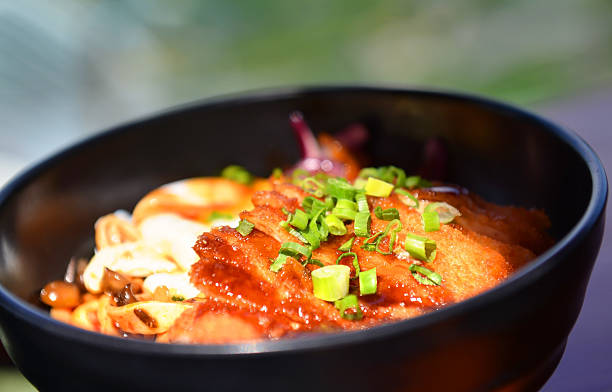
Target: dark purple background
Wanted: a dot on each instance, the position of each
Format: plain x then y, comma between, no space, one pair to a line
587,362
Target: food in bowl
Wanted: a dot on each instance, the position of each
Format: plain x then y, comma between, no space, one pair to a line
324,246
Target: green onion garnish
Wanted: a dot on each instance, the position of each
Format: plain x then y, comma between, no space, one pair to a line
391,230
295,250
346,204
313,186
318,223
355,261
416,182
330,283
299,219
313,261
238,174
329,203
245,227
446,212
376,187
298,175
392,174
349,303
278,263
425,276
368,282
285,225
344,213
360,183
312,205
335,225
363,220
388,214
362,202
312,236
339,189
370,242
178,298
407,198
277,172
346,247
431,221
368,172
421,248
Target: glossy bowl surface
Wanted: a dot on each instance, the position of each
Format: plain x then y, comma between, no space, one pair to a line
510,337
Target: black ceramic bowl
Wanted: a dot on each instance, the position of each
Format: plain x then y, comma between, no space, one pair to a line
511,336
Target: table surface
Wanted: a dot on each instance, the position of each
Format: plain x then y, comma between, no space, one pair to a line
587,362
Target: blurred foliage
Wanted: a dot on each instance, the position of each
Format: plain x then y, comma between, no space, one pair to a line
88,64
521,50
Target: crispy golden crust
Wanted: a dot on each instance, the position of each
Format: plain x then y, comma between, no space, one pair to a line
235,270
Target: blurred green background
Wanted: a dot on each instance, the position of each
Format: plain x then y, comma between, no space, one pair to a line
69,68
78,66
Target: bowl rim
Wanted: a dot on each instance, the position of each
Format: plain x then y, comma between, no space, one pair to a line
532,271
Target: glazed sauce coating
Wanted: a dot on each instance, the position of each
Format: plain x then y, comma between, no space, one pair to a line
60,294
235,270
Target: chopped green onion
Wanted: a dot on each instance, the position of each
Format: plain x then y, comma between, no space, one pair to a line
335,225
299,219
392,174
388,214
298,175
294,250
371,242
431,221
390,231
313,261
425,276
339,189
362,202
346,204
378,212
293,232
245,227
313,186
312,236
278,263
329,203
317,223
368,282
346,247
344,213
178,298
421,248
277,172
355,261
215,215
238,174
312,205
416,182
446,212
314,223
346,303
376,187
407,198
330,283
360,183
363,220
368,172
